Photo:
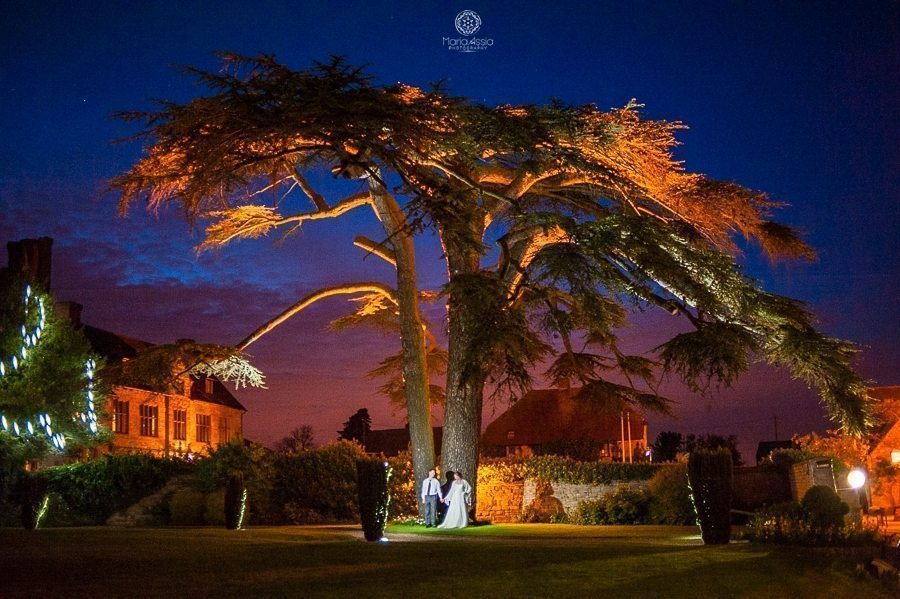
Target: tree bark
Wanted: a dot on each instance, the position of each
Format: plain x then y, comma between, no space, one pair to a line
415,373
465,394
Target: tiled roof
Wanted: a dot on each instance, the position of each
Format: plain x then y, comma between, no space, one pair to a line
554,415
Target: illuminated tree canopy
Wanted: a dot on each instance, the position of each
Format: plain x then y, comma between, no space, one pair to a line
593,215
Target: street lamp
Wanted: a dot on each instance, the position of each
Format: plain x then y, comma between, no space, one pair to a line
856,478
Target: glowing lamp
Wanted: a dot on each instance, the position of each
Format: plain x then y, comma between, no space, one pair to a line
856,478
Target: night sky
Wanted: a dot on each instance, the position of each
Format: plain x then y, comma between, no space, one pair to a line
798,99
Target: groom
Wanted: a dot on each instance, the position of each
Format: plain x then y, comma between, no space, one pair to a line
431,494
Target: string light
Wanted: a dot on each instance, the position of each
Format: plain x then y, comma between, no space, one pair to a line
30,338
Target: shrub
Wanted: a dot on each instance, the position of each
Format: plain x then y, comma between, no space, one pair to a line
670,496
709,475
214,511
256,465
321,481
404,495
778,523
823,512
97,489
35,500
561,469
373,476
583,450
627,504
187,507
592,511
235,502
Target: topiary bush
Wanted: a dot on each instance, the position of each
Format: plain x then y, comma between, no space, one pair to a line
670,496
235,502
373,477
35,499
709,476
823,513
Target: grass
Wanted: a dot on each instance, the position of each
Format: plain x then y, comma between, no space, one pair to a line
526,560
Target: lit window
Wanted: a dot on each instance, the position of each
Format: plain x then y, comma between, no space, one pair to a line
510,435
204,424
208,385
149,420
895,456
120,417
179,418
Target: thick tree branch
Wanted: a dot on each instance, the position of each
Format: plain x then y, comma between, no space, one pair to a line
346,289
379,249
316,198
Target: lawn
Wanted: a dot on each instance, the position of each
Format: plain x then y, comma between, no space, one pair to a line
498,561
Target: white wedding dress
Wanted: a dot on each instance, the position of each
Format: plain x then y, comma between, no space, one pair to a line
457,512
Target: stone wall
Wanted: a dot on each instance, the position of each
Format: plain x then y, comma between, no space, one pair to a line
505,501
499,501
570,495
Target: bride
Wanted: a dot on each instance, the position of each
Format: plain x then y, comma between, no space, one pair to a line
458,500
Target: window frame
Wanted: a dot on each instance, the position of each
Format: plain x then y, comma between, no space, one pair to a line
120,418
204,428
149,421
179,426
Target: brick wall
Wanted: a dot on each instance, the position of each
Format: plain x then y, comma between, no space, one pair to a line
755,487
225,423
886,489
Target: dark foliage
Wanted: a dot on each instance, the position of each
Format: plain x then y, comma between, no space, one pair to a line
667,446
625,505
709,475
357,427
92,491
713,441
34,500
373,477
670,496
823,511
319,484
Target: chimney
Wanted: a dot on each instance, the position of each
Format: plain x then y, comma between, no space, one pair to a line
31,259
71,311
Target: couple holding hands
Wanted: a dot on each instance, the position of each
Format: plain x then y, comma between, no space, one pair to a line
456,495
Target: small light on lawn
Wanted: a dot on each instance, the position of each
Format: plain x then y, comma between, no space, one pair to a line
856,478
383,540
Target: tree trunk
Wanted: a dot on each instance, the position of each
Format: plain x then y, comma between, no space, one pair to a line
464,395
415,373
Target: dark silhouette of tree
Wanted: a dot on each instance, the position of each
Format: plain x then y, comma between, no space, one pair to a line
712,441
667,446
298,440
357,427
